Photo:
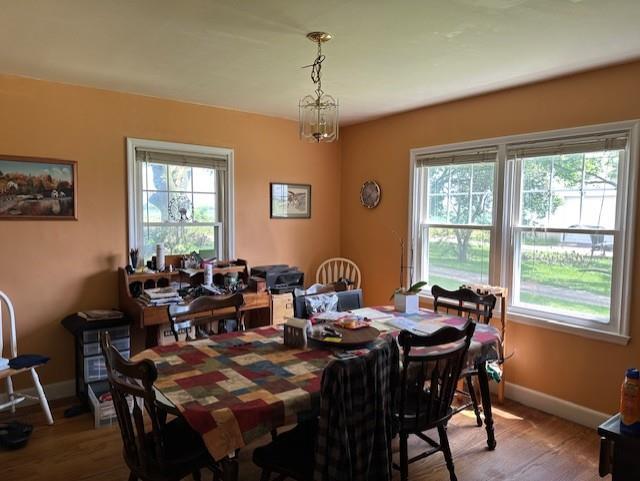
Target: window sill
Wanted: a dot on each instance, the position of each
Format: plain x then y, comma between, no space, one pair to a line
529,320
582,331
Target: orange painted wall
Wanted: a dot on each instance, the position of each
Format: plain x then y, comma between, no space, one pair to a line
574,368
53,268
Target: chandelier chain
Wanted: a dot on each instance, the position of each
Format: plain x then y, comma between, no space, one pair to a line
316,68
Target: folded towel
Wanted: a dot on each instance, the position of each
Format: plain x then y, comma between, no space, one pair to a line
27,360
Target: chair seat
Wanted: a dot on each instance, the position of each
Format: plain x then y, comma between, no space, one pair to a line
291,453
184,450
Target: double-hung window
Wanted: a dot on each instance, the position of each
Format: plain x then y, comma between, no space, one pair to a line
179,196
456,216
550,216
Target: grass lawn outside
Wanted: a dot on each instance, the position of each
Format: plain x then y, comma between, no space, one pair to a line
561,278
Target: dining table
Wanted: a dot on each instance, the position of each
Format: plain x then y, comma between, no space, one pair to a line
234,388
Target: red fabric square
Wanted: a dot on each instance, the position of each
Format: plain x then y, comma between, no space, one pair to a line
201,380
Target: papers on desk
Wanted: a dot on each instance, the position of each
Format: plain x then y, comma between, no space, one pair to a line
415,327
191,272
160,296
371,314
4,363
329,316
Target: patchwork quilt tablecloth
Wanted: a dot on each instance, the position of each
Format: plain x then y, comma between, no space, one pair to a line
233,388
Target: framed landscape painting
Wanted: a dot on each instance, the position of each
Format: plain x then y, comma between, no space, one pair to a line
290,201
37,188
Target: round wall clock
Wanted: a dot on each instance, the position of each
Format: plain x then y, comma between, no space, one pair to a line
370,194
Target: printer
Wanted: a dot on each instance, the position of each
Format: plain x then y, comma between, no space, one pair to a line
280,278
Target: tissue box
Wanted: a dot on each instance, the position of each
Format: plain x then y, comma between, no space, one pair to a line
295,332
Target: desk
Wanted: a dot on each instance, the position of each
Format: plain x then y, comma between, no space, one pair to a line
235,387
150,317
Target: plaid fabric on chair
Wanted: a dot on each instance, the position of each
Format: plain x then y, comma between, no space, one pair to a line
356,416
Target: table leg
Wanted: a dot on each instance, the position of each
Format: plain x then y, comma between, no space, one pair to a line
503,320
483,379
230,468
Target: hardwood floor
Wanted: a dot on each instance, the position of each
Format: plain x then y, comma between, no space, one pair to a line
532,446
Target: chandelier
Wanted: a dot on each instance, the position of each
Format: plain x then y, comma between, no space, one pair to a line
319,111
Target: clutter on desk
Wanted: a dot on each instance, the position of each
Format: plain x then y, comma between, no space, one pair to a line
280,278
484,289
160,296
133,255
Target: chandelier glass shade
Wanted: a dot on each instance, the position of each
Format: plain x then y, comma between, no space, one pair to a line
319,114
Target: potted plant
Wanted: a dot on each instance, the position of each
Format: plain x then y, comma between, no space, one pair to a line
406,299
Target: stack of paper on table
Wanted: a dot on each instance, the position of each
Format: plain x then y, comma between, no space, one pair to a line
372,314
4,363
405,324
329,316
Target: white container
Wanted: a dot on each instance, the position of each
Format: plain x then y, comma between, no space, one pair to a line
407,303
160,257
208,274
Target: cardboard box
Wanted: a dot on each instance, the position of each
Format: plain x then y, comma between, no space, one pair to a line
281,307
165,335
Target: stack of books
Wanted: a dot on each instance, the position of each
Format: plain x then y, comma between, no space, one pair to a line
160,296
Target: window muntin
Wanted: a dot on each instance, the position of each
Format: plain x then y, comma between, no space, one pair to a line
180,209
457,212
584,214
565,233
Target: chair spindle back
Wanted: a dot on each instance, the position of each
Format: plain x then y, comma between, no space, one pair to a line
428,379
134,379
465,303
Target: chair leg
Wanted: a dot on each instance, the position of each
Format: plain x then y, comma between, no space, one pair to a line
10,393
446,450
266,475
41,396
404,457
474,399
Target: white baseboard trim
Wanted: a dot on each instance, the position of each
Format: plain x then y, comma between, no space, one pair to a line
553,405
53,391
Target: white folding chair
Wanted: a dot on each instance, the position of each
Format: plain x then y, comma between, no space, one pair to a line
15,398
332,270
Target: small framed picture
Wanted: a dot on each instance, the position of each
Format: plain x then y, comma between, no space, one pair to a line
37,188
290,201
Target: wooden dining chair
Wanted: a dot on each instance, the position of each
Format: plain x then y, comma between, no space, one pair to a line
338,268
351,438
192,314
14,398
474,306
153,450
431,366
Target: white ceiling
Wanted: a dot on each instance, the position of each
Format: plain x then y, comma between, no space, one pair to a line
386,56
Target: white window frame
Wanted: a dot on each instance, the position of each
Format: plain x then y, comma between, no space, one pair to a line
134,187
506,201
